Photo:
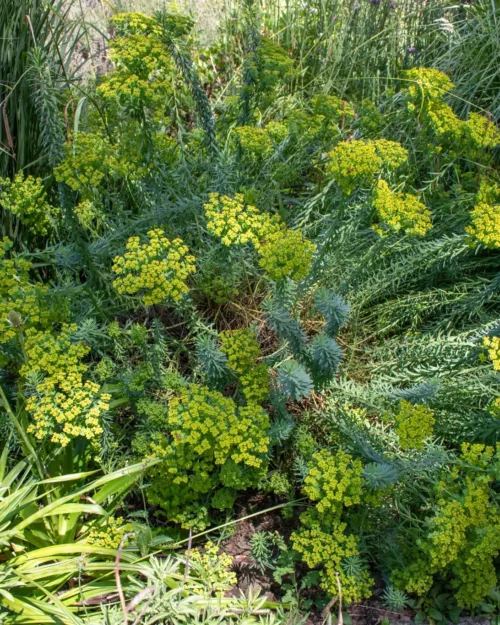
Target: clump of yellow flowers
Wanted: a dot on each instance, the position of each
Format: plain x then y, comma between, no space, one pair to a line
334,481
356,163
283,253
91,158
492,344
425,98
254,142
401,211
156,270
242,350
213,569
287,254
462,537
237,223
211,442
110,535
427,83
485,226
22,305
62,406
143,65
67,414
332,108
415,424
27,200
55,357
482,132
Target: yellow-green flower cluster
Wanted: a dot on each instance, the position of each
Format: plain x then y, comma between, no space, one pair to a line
243,352
110,535
86,213
328,548
63,406
401,211
135,24
27,200
489,191
415,424
287,254
143,66
218,288
332,108
156,270
356,163
304,125
277,131
206,421
64,415
56,357
492,344
269,65
485,226
444,122
482,132
463,538
283,253
212,442
85,163
90,158
333,481
22,304
253,142
213,569
236,223
425,99
427,84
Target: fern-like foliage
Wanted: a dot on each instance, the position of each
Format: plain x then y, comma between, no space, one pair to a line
333,308
419,394
294,381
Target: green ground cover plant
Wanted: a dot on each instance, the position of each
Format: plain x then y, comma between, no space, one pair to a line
251,283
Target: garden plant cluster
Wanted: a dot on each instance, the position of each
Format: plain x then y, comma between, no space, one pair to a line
232,291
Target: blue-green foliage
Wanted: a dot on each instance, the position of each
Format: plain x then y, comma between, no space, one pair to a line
334,309
294,381
212,360
287,328
326,356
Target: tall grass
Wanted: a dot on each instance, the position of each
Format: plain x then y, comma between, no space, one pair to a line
352,45
472,56
26,26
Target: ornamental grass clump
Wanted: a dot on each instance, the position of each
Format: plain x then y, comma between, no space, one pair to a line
156,271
